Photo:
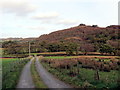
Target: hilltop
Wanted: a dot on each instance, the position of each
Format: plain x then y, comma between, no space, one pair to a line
82,33
79,38
77,34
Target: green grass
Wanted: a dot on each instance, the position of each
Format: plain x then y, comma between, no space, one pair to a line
105,60
82,56
85,78
11,69
58,57
36,78
6,61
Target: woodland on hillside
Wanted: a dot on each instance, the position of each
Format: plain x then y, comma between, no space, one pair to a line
77,39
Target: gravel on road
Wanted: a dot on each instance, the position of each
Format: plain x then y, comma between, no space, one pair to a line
25,80
48,78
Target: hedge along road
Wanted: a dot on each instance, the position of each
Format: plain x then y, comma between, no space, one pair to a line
25,80
48,78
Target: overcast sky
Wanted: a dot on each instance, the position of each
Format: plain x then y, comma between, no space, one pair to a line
32,18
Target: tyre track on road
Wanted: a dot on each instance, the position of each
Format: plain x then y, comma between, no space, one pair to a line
25,80
48,78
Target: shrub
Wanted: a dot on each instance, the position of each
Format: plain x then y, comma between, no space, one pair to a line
106,68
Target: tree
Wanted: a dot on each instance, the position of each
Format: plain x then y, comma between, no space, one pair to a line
104,48
53,47
115,45
82,24
94,25
10,47
70,48
87,47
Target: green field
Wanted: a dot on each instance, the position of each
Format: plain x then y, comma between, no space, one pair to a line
11,69
8,60
59,57
106,58
85,78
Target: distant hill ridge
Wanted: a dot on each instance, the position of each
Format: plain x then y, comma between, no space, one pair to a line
16,39
78,33
81,32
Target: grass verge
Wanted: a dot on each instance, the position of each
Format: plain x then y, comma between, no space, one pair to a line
36,78
83,56
85,78
11,69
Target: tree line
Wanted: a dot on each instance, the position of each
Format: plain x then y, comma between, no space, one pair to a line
71,48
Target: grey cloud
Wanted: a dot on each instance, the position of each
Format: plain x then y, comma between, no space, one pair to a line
20,8
67,22
46,16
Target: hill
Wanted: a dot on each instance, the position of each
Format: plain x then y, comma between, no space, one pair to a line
10,39
82,33
79,38
16,39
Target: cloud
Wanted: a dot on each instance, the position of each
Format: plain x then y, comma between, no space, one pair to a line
53,18
46,16
79,0
67,22
32,27
20,8
36,28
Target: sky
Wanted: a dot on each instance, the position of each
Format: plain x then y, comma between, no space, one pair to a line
32,18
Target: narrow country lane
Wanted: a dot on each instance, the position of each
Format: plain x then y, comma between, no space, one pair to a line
48,78
25,80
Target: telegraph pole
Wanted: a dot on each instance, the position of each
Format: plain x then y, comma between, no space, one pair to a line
29,48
